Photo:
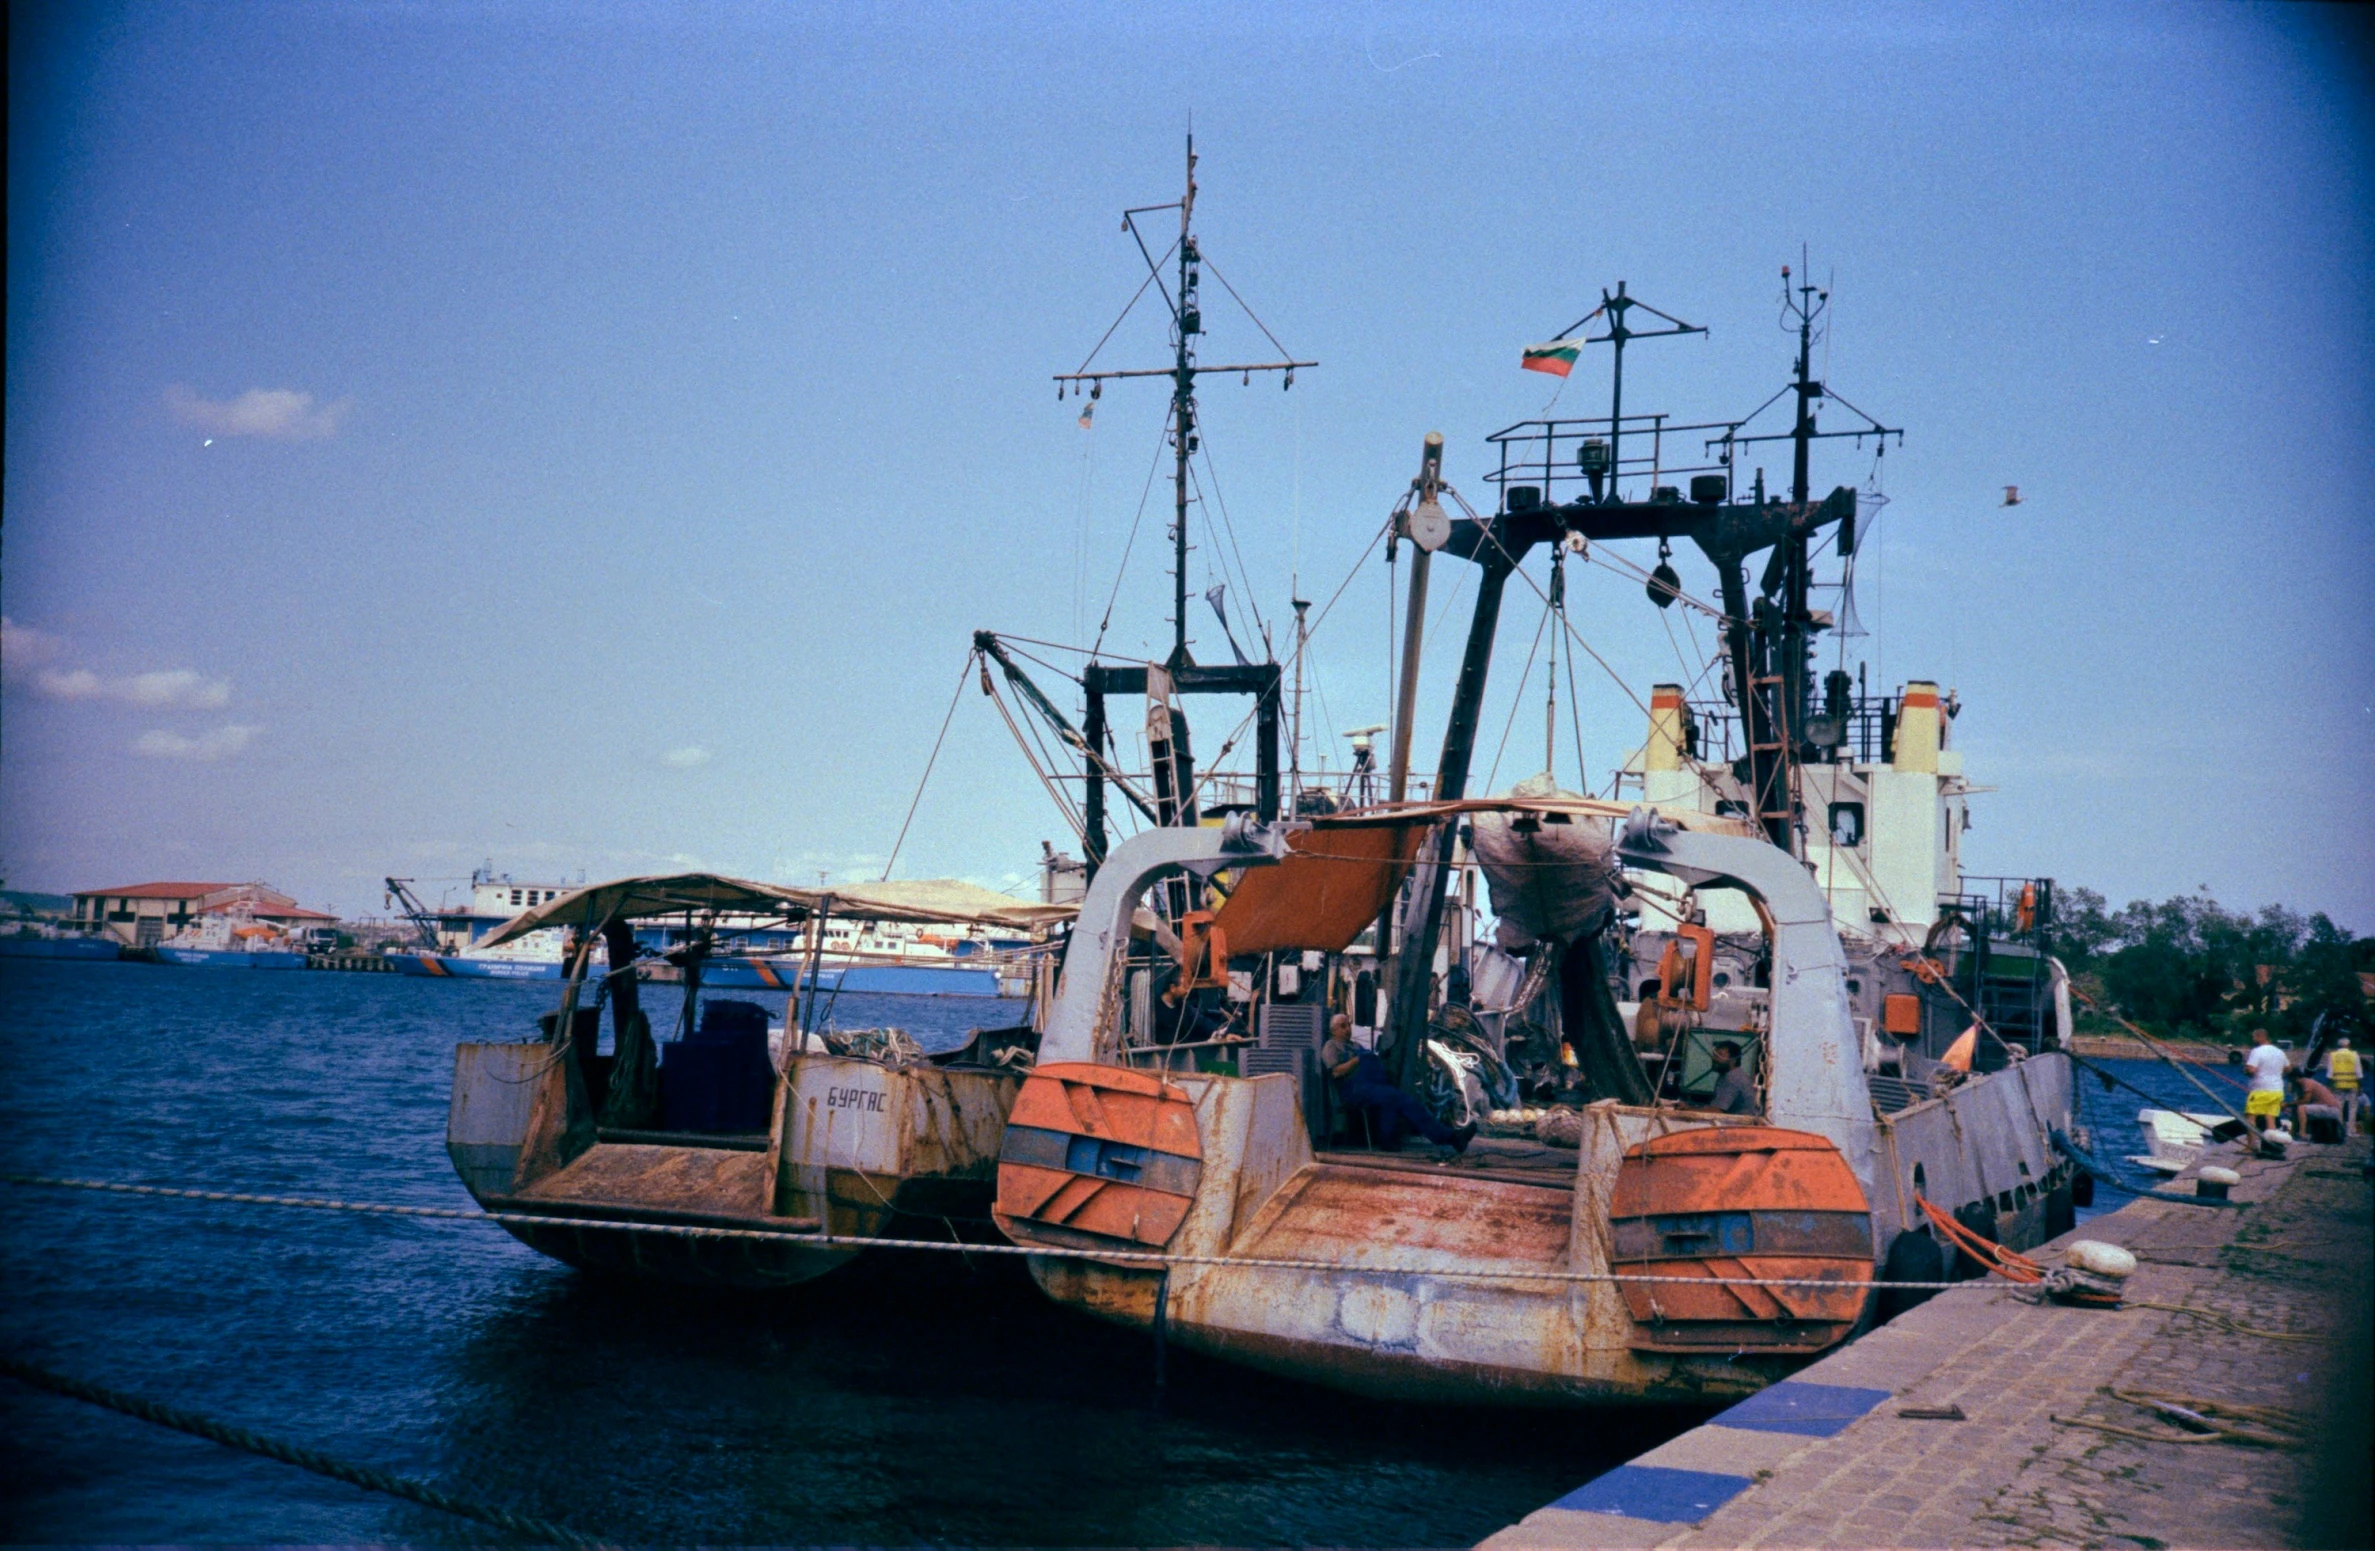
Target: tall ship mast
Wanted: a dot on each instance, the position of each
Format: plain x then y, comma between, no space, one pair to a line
1172,792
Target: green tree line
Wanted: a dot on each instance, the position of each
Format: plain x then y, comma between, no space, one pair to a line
2189,968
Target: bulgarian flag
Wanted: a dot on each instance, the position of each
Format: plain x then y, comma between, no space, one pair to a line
1556,358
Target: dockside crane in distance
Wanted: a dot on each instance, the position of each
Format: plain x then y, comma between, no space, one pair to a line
408,905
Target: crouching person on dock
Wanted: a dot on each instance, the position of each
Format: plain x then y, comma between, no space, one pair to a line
1362,1083
2317,1111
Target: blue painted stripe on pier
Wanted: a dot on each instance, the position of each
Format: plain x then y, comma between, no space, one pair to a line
1792,1406
1655,1493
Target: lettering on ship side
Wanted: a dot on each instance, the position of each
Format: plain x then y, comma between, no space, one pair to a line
869,1100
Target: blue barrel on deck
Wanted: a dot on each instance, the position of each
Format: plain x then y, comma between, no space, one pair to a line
719,1079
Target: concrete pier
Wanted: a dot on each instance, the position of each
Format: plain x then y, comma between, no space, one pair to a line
1853,1452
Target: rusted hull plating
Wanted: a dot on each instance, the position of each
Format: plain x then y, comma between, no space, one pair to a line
1492,1333
854,1149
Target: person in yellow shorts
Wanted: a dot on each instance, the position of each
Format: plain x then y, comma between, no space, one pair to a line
2265,1101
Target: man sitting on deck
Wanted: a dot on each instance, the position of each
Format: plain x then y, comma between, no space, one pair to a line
1735,1094
1362,1083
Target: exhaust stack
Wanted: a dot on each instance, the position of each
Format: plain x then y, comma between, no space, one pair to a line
1664,750
1918,728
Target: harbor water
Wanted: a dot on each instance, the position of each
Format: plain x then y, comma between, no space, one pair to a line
906,1400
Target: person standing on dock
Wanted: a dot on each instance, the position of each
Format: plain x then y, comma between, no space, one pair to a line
2265,1101
2342,1075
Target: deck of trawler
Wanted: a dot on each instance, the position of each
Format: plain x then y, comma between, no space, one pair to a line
1516,1160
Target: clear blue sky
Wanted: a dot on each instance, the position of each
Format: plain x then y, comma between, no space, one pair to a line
586,437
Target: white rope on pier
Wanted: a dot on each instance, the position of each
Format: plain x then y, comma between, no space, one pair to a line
1152,1258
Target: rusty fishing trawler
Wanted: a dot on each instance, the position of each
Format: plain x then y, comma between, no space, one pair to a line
1773,882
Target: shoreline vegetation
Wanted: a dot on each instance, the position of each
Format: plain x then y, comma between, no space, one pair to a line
2202,977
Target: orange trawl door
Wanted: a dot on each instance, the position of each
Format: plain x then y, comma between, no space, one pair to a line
1734,1204
1100,1151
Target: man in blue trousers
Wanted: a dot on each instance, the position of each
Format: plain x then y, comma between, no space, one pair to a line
1363,1083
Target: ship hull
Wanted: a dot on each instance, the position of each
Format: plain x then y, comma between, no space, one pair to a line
1437,1285
449,966
91,949
853,1149
762,974
229,958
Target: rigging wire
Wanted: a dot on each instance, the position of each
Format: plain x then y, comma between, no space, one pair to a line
1039,741
1572,633
1055,792
1706,661
962,673
1517,698
1450,600
1034,657
1154,268
1575,718
1240,301
1053,646
1596,555
1240,579
1212,768
1131,543
1081,530
1112,772
1222,501
1393,595
1313,629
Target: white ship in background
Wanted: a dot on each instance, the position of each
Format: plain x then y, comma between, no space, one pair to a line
754,953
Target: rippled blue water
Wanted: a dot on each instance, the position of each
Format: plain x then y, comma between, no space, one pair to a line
905,1402
2108,1111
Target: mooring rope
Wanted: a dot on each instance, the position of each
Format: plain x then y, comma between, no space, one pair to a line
1151,1258
370,1480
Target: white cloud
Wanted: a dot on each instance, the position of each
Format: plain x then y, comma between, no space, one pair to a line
282,413
26,655
691,757
222,743
175,688
24,649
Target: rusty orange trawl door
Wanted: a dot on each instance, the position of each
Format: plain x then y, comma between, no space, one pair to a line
1734,1203
1100,1152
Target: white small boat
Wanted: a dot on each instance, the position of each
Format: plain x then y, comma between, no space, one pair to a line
2176,1138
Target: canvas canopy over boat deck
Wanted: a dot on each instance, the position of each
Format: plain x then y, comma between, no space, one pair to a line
921,902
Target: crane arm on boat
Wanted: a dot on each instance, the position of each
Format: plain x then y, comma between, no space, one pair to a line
1105,913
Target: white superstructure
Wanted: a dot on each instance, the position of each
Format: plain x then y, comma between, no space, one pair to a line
1884,835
